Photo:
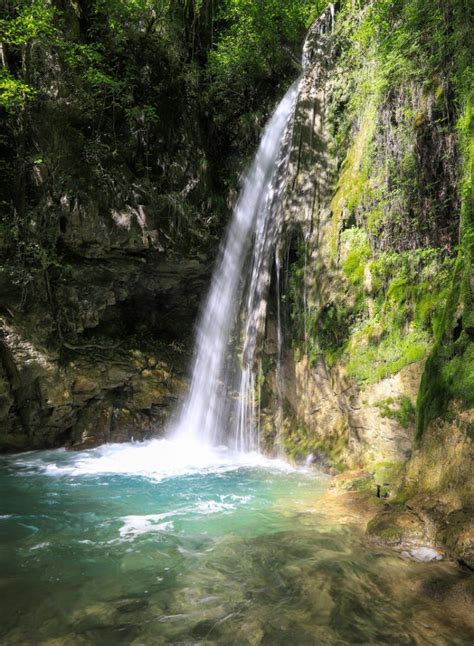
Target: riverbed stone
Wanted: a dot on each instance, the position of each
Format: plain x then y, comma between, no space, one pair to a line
397,526
424,554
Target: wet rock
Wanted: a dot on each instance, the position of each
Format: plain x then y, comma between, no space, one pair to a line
251,633
82,390
457,533
424,554
84,386
100,613
86,402
131,605
359,480
148,390
92,428
398,526
66,638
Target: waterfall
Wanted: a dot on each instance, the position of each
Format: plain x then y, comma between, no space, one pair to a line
213,411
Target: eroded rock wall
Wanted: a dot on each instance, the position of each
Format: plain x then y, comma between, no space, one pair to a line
376,301
105,249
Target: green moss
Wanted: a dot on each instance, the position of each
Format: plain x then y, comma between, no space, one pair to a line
408,291
299,441
387,471
374,218
402,410
369,363
390,533
364,484
449,371
389,113
406,413
352,183
317,329
433,301
401,497
331,331
357,255
458,374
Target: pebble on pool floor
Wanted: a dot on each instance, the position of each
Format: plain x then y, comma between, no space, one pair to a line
424,554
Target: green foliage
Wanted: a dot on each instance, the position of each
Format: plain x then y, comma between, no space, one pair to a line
408,291
385,319
132,82
352,187
413,37
34,21
459,375
414,285
124,18
14,94
254,54
403,75
258,35
405,59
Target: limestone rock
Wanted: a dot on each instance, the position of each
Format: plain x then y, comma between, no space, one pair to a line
86,402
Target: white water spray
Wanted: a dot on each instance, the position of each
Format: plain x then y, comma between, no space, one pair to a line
211,414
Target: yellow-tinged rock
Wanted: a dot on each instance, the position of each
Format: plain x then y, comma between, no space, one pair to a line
83,384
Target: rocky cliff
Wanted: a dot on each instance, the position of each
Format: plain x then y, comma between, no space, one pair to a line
106,235
377,368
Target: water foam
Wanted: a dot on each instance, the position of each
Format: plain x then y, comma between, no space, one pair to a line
154,459
134,526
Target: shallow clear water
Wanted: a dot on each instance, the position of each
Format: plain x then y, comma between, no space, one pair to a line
162,543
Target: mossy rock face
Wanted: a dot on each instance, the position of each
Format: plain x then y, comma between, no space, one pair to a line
325,449
402,410
435,491
387,473
443,463
457,533
355,481
398,526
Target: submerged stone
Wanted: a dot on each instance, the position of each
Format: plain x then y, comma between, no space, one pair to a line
424,554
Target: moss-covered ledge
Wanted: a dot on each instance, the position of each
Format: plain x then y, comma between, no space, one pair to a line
433,501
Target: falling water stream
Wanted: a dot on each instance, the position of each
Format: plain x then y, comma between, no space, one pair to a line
210,413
